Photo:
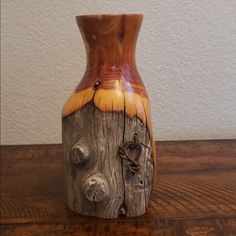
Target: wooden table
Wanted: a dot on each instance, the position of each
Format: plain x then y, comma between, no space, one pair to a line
195,193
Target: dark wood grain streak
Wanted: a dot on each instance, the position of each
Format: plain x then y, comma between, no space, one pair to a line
194,195
180,227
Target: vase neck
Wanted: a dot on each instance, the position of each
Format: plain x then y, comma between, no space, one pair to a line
110,41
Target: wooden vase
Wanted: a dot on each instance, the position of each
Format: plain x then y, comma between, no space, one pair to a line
107,134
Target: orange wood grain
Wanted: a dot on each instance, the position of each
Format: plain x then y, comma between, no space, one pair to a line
110,42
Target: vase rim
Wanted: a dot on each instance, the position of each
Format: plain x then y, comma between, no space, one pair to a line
110,15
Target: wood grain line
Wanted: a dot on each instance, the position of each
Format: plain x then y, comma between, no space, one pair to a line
32,187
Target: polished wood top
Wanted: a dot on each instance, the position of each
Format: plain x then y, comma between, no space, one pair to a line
111,80
110,42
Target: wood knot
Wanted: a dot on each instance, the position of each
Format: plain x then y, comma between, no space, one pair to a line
79,153
96,85
96,188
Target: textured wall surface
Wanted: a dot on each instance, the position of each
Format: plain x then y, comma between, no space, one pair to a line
186,55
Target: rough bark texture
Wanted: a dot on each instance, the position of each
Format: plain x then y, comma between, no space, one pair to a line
109,167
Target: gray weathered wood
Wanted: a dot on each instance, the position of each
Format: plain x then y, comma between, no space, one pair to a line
99,180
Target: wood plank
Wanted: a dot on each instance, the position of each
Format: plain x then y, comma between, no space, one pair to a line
208,155
196,156
193,190
40,198
201,227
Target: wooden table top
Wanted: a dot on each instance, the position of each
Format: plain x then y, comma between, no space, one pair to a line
194,195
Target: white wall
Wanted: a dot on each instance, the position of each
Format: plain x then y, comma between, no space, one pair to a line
186,55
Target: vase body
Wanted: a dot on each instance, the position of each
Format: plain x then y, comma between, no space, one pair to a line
107,134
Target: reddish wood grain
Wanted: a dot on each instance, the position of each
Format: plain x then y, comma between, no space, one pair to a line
111,80
110,42
111,85
195,194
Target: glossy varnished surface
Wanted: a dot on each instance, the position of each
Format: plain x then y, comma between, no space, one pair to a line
111,80
110,42
194,195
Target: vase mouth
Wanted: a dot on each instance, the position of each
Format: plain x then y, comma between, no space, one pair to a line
138,15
